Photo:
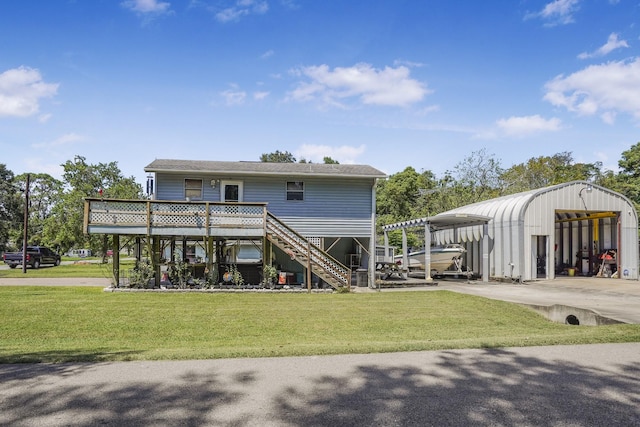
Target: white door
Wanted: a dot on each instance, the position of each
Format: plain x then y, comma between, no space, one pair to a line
231,191
539,257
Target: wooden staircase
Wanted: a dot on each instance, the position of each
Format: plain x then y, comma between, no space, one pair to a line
323,265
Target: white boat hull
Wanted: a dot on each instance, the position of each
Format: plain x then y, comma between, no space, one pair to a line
442,258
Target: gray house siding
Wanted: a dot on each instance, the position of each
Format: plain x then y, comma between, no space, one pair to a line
336,207
171,187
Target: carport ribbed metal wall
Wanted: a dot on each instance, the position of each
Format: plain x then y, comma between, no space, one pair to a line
518,217
505,239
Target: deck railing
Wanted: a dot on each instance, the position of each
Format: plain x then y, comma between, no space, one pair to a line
156,217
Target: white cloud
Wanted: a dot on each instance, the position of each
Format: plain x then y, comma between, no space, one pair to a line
344,154
260,95
612,44
39,165
242,8
410,64
527,125
558,12
234,96
613,87
389,86
44,118
21,90
66,139
428,110
290,4
609,117
145,7
267,54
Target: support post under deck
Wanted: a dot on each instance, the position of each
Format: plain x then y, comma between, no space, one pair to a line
116,260
155,259
210,256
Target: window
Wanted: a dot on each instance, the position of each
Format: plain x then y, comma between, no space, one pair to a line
231,193
295,190
193,189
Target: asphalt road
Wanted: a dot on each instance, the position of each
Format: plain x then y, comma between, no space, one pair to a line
587,385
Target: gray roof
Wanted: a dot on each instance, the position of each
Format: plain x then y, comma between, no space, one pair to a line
263,168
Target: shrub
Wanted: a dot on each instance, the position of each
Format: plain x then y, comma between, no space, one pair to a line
141,274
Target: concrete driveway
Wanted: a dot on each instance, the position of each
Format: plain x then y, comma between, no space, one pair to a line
611,298
615,299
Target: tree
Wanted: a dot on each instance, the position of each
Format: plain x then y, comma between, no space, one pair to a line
630,162
278,157
445,194
478,177
329,161
544,171
627,181
396,195
44,192
11,208
399,198
64,227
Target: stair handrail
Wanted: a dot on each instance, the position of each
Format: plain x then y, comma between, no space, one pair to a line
302,245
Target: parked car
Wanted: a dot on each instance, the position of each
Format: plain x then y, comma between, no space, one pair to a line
36,256
82,253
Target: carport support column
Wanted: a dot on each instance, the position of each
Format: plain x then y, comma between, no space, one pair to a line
386,248
405,257
485,252
427,253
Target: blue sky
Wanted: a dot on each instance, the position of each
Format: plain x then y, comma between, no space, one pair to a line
389,83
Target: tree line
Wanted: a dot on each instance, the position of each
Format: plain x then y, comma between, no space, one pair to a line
480,176
56,206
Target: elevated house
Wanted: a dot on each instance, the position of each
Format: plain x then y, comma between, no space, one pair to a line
315,223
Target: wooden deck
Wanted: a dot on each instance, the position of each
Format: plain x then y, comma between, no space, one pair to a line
174,218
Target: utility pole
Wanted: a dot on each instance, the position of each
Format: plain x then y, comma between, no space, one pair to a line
26,225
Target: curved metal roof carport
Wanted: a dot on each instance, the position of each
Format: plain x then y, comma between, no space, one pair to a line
441,222
562,229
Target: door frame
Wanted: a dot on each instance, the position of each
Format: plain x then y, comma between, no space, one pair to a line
225,183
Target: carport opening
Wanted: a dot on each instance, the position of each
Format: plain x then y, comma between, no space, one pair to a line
572,320
586,241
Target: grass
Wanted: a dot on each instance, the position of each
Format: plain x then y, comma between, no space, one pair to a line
63,324
80,268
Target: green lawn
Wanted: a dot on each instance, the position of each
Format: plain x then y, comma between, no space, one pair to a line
60,324
80,268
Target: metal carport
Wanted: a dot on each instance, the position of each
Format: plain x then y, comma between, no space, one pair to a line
440,222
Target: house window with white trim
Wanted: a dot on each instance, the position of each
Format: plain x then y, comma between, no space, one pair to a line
295,190
193,189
